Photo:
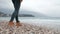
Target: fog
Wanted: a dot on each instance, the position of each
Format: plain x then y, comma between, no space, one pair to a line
47,7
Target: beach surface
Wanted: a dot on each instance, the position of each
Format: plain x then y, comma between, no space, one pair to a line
26,29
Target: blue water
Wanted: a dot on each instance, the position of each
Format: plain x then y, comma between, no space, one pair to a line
51,23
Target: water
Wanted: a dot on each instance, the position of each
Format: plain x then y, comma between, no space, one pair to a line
51,23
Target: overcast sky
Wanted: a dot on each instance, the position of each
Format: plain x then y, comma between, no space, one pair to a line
47,7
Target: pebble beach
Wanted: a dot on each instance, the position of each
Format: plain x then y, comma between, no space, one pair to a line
25,29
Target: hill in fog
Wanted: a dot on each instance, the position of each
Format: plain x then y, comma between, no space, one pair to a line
23,13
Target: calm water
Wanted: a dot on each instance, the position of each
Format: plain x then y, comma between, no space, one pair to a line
52,23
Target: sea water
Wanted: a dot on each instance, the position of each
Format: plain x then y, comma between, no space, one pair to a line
51,23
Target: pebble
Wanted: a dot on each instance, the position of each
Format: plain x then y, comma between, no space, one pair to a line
25,29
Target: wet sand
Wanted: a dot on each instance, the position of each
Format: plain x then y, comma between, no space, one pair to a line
25,29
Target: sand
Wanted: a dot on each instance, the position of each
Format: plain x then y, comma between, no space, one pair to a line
25,29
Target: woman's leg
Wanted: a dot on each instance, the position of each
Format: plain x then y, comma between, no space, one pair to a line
13,15
17,11
16,4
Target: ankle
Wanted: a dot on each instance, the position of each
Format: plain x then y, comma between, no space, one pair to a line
11,21
17,21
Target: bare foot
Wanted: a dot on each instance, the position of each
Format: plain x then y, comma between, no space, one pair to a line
11,24
18,24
